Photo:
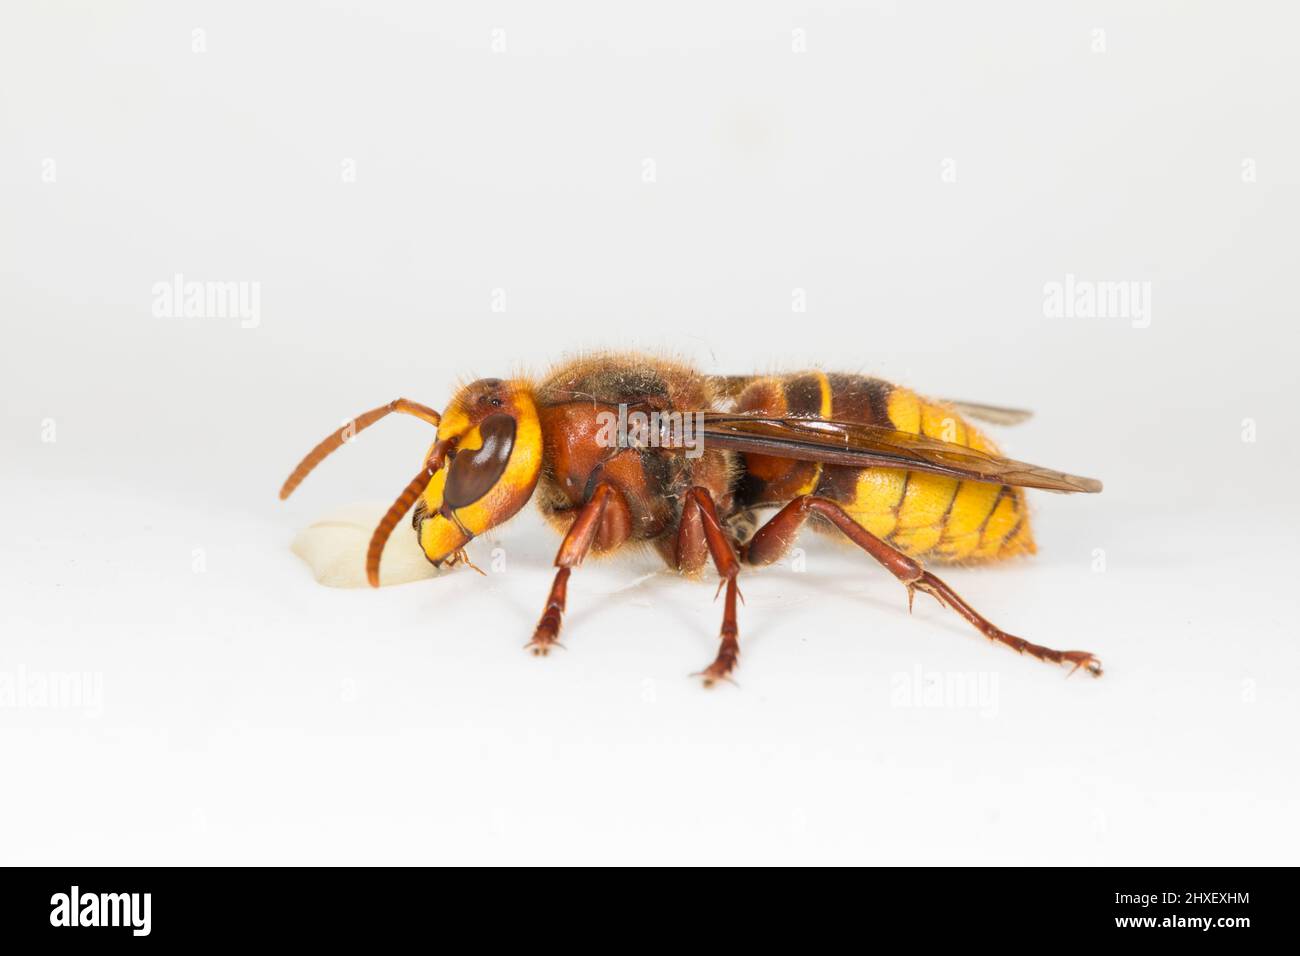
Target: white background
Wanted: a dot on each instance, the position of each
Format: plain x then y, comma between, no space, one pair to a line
249,714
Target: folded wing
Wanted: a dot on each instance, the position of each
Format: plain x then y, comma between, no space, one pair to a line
865,446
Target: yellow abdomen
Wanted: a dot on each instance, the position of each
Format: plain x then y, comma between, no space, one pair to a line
924,515
930,516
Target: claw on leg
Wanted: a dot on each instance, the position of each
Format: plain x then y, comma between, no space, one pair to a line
713,675
541,645
1082,659
547,634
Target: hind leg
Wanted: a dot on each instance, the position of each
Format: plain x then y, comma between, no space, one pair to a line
774,539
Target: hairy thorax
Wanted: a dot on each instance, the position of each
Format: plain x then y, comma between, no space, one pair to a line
576,404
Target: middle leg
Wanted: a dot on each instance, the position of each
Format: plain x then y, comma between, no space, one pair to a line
699,530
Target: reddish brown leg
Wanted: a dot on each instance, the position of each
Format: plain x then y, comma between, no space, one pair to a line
700,515
772,540
577,542
548,628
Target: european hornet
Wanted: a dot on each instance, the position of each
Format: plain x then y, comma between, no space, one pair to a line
624,448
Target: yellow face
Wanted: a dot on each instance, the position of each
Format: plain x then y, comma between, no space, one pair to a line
494,457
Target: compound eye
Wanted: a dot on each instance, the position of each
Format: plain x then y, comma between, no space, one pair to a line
473,473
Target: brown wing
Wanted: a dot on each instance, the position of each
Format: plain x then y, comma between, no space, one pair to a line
865,446
995,414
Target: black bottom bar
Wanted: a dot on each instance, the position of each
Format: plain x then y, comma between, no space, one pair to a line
1172,907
